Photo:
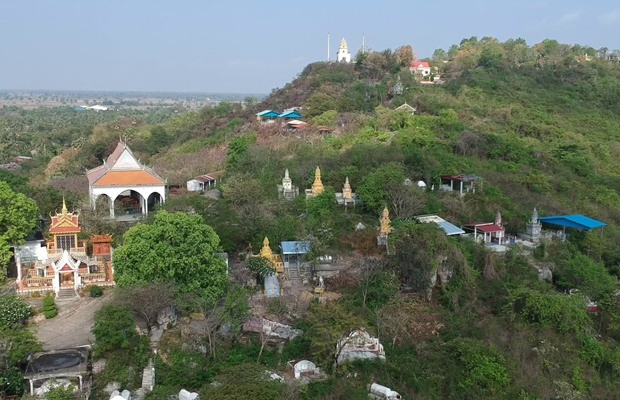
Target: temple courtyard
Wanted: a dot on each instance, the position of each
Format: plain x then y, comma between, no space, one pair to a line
73,324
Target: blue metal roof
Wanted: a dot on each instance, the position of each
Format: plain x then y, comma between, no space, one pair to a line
450,229
291,114
267,113
573,221
295,247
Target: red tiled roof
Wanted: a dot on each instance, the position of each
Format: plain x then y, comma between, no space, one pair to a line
423,64
490,228
128,178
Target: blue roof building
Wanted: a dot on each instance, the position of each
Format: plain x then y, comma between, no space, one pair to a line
573,221
291,114
266,114
293,252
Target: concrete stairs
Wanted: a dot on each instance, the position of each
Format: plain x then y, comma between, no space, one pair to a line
66,295
298,306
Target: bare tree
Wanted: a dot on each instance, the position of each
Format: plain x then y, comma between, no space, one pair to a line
406,200
369,268
145,301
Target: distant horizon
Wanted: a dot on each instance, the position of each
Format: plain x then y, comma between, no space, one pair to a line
243,47
126,91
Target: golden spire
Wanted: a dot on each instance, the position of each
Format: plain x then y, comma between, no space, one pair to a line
386,223
317,186
64,206
347,193
343,44
266,252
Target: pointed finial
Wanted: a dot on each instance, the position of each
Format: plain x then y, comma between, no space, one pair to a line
286,173
266,241
64,206
346,180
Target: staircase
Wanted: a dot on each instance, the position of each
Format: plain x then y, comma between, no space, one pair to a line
66,295
300,307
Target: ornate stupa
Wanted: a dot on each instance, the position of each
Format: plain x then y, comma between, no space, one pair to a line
287,189
386,222
317,186
347,193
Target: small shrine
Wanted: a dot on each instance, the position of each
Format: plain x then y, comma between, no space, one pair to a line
385,228
533,228
359,345
492,234
63,263
317,185
287,189
347,196
274,259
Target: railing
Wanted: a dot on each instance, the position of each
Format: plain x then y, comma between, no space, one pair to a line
97,277
80,249
38,281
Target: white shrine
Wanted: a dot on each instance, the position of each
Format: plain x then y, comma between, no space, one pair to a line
287,189
344,55
126,183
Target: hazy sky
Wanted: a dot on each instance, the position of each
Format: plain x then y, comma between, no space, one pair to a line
254,46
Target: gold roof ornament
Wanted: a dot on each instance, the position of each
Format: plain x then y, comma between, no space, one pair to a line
64,206
317,186
386,223
343,44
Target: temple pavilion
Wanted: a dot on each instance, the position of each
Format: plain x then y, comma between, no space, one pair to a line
125,184
347,196
61,262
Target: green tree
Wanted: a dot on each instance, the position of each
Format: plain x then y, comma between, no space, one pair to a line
374,189
11,382
591,278
15,345
260,266
18,215
114,329
317,104
238,148
236,309
177,248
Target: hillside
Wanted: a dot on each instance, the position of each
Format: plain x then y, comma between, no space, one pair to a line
540,124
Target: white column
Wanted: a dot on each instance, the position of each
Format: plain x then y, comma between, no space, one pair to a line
144,205
461,190
111,207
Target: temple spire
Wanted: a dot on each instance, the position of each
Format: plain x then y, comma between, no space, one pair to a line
64,206
317,186
386,223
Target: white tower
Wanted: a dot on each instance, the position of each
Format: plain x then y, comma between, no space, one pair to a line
344,55
287,183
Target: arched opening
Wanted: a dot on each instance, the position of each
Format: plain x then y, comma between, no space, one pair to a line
102,204
153,200
129,202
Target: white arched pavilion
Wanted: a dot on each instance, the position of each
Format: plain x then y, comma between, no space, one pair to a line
122,176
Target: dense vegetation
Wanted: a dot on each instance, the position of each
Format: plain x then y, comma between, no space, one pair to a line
541,124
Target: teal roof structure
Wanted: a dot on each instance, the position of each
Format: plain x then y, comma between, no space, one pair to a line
573,221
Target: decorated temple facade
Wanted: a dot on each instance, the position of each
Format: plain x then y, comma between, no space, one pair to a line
61,261
347,196
287,189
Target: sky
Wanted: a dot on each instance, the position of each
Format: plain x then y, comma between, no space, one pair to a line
233,46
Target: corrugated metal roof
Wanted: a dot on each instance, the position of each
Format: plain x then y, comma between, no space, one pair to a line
295,247
290,114
267,113
573,221
450,229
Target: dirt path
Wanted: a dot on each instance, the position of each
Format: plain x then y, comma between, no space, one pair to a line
72,326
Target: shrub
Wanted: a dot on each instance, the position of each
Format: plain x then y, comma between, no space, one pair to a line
13,311
11,382
96,291
49,307
114,329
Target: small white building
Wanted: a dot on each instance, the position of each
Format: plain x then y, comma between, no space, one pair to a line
204,182
359,345
421,68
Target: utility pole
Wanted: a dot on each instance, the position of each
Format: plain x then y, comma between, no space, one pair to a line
363,43
328,55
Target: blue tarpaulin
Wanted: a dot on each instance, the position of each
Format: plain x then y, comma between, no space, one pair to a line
573,221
